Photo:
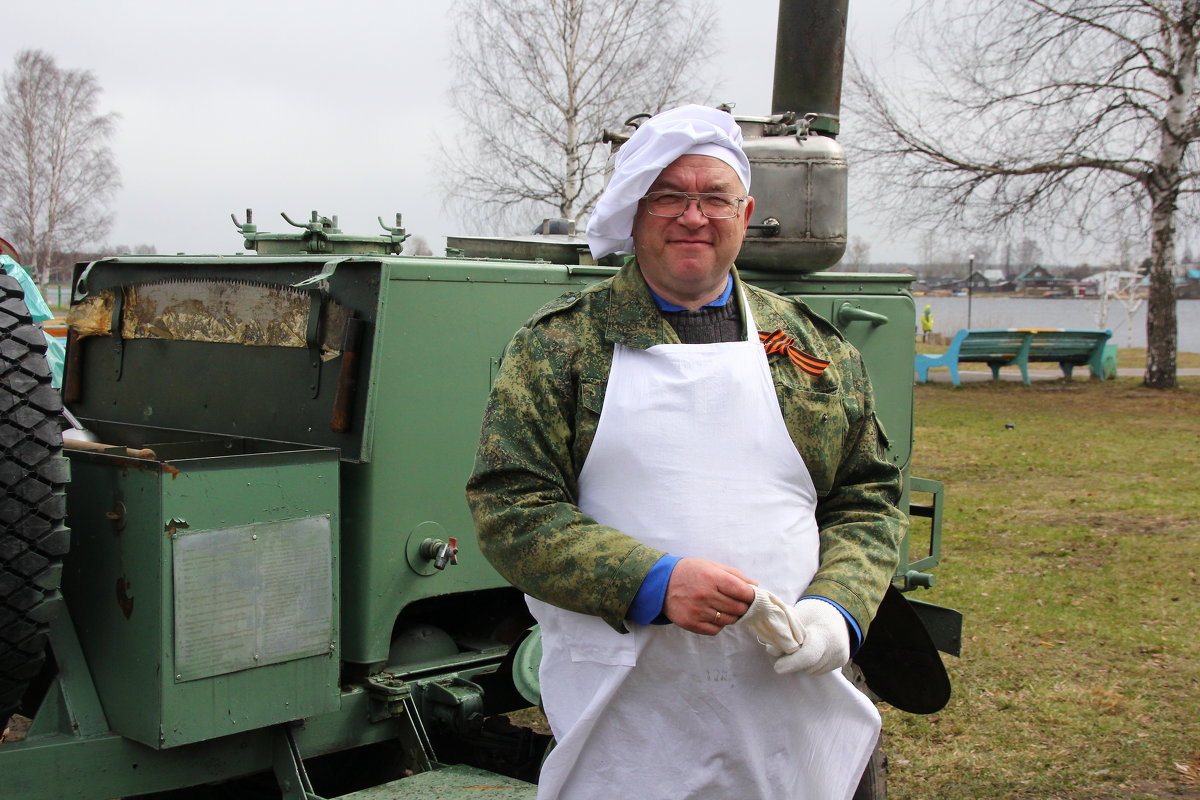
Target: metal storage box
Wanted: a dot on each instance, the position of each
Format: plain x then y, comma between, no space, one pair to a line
212,575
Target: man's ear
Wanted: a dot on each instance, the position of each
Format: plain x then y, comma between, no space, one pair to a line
746,215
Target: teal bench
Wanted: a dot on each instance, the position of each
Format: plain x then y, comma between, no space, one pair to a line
1006,346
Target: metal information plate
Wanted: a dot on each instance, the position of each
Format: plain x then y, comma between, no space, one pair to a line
252,595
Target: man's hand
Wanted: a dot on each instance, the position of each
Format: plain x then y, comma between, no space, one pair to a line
704,596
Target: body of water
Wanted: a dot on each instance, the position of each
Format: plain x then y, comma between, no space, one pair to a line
950,315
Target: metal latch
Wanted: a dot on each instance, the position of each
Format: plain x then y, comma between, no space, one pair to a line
387,694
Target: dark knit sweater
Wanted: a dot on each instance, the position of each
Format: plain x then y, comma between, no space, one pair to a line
708,324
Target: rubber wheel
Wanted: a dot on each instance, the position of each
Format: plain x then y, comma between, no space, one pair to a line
33,477
873,783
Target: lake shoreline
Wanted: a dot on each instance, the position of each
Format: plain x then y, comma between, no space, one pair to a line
1128,323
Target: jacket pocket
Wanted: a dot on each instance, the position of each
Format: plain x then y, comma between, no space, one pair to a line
818,423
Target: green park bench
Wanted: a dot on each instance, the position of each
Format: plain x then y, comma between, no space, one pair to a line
1004,347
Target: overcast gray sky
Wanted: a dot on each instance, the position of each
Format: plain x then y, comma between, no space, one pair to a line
301,105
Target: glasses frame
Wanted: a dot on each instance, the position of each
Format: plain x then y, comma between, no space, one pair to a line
698,197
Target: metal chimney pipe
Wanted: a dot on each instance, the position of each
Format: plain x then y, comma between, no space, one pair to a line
810,46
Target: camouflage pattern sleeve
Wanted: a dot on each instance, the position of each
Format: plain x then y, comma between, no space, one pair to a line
860,521
523,490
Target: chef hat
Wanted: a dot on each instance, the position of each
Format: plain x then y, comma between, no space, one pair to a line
687,130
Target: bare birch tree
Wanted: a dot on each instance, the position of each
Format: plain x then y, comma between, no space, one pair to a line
537,83
57,172
1074,114
858,254
1027,253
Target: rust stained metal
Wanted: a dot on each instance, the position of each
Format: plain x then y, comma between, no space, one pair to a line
124,463
117,515
124,601
229,311
92,316
174,525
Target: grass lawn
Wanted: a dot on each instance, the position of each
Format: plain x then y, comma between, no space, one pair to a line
1072,544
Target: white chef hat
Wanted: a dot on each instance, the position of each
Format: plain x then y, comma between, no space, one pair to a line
687,130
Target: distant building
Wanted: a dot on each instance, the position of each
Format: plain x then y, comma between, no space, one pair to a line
1038,280
981,280
994,277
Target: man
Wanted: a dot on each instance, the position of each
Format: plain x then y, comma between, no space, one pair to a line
645,460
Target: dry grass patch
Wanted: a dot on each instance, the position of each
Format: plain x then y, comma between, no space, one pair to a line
1072,541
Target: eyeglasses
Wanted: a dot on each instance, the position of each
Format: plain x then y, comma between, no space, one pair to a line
714,205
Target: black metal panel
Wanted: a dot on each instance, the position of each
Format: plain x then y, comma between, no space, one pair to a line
900,661
944,625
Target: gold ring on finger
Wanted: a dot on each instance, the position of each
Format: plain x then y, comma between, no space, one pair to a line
716,618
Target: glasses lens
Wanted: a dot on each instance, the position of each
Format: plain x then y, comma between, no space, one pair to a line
666,204
674,204
718,206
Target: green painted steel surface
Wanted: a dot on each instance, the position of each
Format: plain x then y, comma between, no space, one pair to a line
65,767
66,763
455,782
130,518
442,327
435,331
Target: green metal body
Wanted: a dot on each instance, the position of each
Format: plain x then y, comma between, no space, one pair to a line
435,331
244,446
200,637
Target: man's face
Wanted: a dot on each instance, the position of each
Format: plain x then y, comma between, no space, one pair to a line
685,259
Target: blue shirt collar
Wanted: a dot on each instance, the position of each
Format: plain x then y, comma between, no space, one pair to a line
720,301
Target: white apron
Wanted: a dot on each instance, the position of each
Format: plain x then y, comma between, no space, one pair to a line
692,456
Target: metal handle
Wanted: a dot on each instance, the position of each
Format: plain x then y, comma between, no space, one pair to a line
769,226
848,313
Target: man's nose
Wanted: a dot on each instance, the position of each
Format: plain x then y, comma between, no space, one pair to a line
692,216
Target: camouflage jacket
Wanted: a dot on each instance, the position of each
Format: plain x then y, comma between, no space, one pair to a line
541,419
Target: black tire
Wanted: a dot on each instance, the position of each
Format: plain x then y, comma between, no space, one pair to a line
873,783
33,478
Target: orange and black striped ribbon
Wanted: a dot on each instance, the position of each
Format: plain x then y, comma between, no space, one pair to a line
779,342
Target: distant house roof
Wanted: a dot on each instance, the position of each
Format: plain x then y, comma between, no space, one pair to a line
1034,274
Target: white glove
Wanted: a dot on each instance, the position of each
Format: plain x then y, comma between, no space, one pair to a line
774,623
824,639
